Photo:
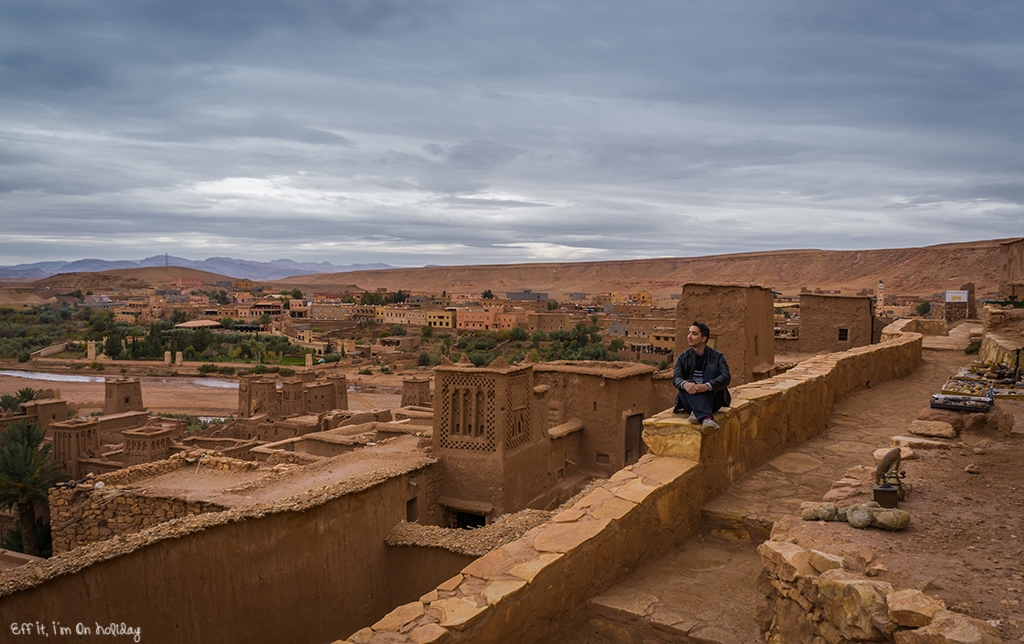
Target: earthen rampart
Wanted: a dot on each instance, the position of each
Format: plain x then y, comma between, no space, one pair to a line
535,588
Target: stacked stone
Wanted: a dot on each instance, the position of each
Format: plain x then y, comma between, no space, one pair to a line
99,514
87,513
811,596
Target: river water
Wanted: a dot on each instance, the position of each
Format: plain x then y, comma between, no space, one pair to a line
170,382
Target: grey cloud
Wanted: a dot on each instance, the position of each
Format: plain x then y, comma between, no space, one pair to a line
611,129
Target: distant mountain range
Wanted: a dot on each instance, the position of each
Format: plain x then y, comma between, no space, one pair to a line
240,268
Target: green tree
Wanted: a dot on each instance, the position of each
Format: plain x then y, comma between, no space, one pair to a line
519,334
924,308
26,474
487,295
398,329
427,331
113,346
552,305
227,323
265,319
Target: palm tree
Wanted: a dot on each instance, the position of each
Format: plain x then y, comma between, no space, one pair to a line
26,474
13,403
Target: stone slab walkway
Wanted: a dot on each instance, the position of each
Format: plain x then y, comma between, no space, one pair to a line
704,592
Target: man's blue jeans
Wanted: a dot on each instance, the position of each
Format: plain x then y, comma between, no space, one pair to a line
699,404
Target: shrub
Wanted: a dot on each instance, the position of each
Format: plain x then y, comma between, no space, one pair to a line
95,366
286,372
24,355
227,370
332,357
365,372
424,359
385,369
208,368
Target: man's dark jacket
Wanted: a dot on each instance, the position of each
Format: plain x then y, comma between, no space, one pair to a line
716,374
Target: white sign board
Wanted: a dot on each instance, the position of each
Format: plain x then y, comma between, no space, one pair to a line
956,296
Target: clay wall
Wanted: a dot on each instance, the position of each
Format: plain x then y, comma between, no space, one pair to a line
535,589
742,325
1011,279
834,323
603,404
40,412
122,395
305,571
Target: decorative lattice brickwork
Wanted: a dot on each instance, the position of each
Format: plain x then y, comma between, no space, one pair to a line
474,427
517,430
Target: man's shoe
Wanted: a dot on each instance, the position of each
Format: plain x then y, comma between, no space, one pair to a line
693,419
709,425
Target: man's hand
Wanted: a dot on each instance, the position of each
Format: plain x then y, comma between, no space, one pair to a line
694,388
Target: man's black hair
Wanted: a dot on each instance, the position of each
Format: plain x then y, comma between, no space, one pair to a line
704,329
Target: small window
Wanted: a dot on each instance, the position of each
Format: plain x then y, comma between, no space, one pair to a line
844,335
561,473
412,511
603,458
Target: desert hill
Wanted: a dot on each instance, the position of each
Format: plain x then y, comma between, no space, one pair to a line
910,271
127,278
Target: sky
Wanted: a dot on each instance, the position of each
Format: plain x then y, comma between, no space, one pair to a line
448,132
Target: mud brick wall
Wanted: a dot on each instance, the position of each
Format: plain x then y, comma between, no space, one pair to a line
86,514
535,589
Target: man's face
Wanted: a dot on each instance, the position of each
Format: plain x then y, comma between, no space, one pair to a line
694,338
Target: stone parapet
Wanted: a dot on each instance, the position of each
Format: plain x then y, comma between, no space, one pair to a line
770,416
535,588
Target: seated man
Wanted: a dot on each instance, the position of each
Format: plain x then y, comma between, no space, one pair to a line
702,377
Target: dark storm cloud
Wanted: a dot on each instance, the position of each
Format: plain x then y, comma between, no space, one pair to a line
458,132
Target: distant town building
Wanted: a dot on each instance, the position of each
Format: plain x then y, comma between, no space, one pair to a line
527,295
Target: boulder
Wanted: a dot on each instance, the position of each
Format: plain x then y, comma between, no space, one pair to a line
785,560
855,606
948,627
822,561
840,493
954,418
932,429
890,518
918,443
975,422
913,608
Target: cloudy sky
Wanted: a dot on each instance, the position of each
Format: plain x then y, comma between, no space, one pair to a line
422,132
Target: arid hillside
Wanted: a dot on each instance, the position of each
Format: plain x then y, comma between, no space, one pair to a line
909,271
916,271
126,278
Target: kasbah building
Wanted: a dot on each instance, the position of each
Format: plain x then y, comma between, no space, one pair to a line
504,503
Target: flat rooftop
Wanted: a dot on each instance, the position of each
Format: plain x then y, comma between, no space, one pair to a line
240,488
